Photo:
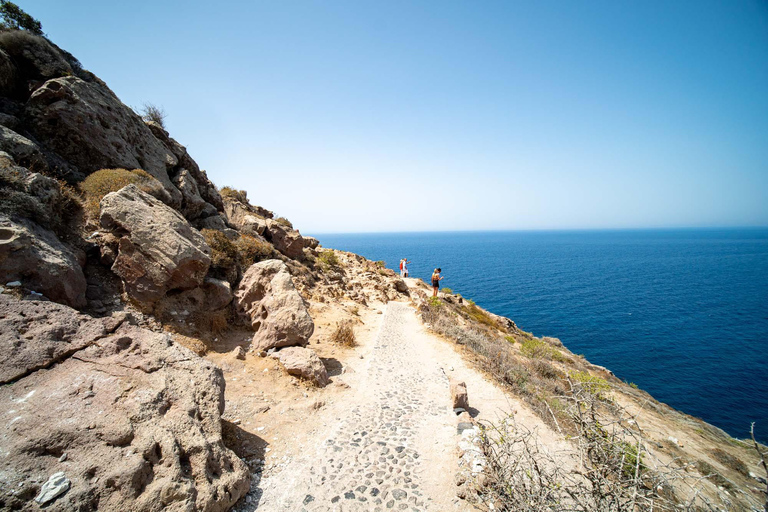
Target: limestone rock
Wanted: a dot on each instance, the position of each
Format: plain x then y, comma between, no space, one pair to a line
36,257
459,395
138,417
285,239
218,293
277,312
158,251
86,123
304,363
242,217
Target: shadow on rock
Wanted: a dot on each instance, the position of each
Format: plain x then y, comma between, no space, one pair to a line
332,366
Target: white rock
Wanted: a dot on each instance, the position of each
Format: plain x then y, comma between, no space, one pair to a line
56,485
13,284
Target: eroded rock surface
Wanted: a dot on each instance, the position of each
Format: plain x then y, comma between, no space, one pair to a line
277,312
158,250
131,419
286,240
35,256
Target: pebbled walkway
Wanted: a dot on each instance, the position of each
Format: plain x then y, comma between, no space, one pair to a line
393,449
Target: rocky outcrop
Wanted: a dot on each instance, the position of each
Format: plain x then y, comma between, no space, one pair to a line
311,242
25,152
277,312
304,363
86,124
158,250
132,420
33,255
244,218
286,240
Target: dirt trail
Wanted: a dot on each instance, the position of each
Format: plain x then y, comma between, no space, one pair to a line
392,445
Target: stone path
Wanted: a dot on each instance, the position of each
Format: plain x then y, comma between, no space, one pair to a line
395,446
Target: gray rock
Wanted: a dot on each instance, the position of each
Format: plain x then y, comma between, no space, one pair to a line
86,123
218,293
192,203
311,242
286,240
158,250
278,314
304,363
57,484
400,286
34,256
25,152
138,416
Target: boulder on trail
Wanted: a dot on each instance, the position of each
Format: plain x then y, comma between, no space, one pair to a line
131,419
158,250
459,395
278,314
86,124
400,286
304,363
34,255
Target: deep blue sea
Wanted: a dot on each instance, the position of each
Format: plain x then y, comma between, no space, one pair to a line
681,313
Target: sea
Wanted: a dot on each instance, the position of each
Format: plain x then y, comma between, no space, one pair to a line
683,314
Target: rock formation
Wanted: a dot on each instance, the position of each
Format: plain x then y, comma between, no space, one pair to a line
131,419
304,363
276,310
159,251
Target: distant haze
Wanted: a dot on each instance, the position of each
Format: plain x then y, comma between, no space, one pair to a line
352,116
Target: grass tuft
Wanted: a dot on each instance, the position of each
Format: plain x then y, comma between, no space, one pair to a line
344,335
105,181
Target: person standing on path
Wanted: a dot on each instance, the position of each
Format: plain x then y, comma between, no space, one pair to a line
436,278
404,273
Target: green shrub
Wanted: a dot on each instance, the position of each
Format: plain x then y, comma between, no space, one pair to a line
251,249
594,385
535,348
13,17
234,194
479,315
328,257
223,252
102,182
447,291
381,264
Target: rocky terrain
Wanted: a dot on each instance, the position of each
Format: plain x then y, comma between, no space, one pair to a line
167,345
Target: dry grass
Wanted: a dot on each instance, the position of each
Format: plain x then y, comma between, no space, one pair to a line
344,335
285,222
101,183
250,250
224,253
234,194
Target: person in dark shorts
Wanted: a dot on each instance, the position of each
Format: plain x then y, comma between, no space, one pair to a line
436,278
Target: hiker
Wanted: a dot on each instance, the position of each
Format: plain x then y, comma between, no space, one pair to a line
436,278
404,267
402,264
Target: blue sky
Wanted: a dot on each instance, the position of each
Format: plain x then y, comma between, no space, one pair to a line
361,116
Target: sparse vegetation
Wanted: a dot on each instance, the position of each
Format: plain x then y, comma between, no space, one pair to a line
234,194
594,385
381,264
447,291
102,182
224,253
13,17
479,315
151,112
251,250
285,222
344,334
328,258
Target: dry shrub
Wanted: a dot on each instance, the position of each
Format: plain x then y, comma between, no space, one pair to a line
151,112
480,316
285,222
729,461
328,257
224,253
214,322
234,194
251,249
101,183
344,335
194,344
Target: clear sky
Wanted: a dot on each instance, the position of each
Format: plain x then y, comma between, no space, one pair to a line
349,116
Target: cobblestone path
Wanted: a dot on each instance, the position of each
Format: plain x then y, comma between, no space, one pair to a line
382,453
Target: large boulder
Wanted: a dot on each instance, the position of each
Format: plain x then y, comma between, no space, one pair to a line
132,420
277,312
24,151
244,218
158,250
192,203
89,126
286,240
304,363
35,256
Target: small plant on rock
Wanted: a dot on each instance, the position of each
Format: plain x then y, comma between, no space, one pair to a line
151,112
285,222
447,291
251,250
328,257
224,253
234,194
